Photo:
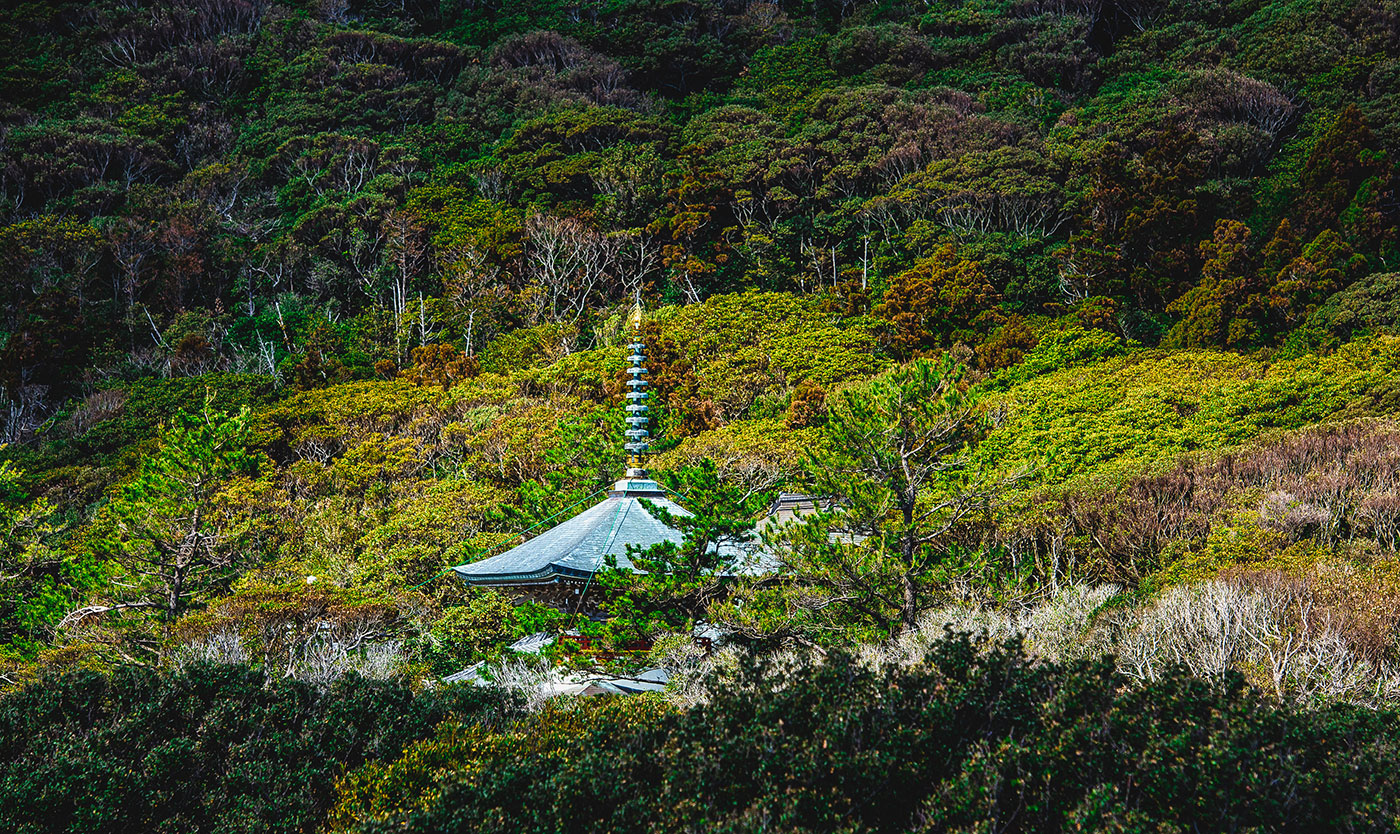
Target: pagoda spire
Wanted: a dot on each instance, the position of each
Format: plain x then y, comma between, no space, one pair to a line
637,397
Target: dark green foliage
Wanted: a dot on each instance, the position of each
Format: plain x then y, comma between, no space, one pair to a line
552,158
1371,305
50,344
210,749
249,163
964,742
147,403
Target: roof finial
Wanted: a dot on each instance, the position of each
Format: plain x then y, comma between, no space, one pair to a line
637,396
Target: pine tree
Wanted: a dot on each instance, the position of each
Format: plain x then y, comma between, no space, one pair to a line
168,531
896,475
682,581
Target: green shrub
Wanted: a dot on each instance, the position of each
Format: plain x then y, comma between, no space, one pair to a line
211,749
1120,414
1367,307
1058,350
963,742
149,402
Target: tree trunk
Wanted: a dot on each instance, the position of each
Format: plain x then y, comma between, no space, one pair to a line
909,609
175,589
909,604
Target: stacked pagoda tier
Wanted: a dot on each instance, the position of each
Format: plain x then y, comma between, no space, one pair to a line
637,418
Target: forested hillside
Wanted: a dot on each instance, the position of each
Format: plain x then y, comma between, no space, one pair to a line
1084,314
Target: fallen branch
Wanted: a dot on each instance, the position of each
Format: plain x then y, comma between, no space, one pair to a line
78,615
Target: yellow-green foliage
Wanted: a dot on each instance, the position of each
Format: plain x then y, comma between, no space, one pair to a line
464,224
391,482
1241,543
755,452
1357,568
386,790
433,525
529,347
1116,416
412,781
745,344
397,481
379,405
588,374
378,486
480,625
276,615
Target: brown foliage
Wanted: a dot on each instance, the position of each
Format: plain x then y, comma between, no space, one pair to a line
936,303
1007,346
318,367
440,364
295,629
808,406
1328,484
1343,158
1099,312
194,355
1362,613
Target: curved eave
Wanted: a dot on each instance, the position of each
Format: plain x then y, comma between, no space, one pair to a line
540,577
548,576
757,564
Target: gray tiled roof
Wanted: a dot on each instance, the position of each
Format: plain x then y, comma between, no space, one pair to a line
579,546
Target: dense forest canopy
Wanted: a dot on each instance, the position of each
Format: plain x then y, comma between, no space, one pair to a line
200,183
1082,315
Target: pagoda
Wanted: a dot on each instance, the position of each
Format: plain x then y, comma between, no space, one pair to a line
557,566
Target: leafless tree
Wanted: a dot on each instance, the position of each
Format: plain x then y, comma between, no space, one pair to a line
224,646
569,262
406,253
22,411
131,242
